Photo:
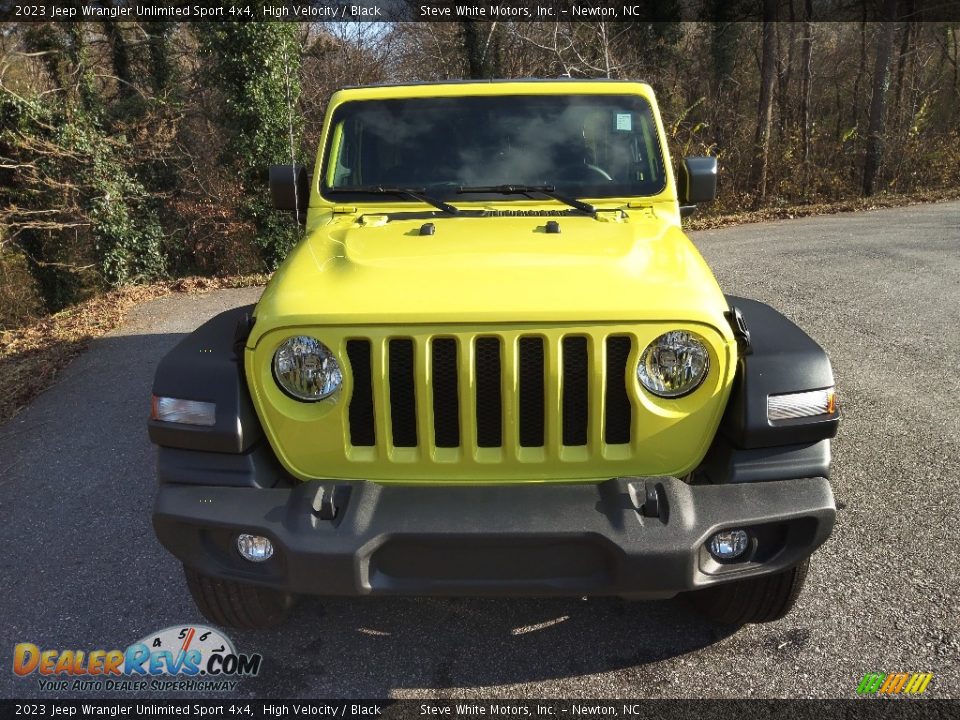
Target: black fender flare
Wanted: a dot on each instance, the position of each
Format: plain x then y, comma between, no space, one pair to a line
207,365
781,358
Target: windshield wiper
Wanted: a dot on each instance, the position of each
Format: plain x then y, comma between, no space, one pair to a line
415,193
548,190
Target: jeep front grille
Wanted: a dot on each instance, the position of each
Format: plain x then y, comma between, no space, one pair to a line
481,394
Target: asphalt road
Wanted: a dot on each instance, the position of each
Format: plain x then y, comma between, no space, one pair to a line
80,567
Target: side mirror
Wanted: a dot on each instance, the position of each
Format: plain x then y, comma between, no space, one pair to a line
696,183
290,188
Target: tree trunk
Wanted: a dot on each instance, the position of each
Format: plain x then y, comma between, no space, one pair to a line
48,40
956,63
861,70
481,50
472,48
878,103
120,58
723,48
768,74
806,65
161,67
952,32
901,68
77,53
785,117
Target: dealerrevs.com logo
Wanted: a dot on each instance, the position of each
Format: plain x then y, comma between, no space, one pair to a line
180,658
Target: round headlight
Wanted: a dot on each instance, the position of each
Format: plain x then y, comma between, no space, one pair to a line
674,364
306,369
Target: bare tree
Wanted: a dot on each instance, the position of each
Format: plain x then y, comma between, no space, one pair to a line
806,67
599,49
878,103
902,58
768,74
785,116
481,49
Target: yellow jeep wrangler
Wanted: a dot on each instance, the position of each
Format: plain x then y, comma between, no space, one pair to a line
494,365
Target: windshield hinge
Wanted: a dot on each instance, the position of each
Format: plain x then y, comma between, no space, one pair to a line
610,215
640,209
374,220
344,210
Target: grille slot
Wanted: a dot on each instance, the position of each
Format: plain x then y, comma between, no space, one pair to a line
362,432
531,391
618,413
489,400
403,400
446,401
575,392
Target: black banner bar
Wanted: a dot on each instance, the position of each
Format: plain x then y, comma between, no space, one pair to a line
490,709
468,10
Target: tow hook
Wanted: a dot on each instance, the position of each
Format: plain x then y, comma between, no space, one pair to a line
324,506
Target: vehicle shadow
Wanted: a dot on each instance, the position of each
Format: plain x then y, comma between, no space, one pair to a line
378,647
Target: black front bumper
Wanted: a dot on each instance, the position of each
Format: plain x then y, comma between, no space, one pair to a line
544,539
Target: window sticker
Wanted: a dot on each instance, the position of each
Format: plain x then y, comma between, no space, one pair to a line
625,122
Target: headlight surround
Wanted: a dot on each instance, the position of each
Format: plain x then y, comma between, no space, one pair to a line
674,364
306,369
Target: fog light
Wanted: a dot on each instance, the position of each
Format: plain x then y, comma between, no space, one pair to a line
255,548
729,544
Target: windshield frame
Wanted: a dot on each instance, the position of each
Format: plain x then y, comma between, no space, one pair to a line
333,137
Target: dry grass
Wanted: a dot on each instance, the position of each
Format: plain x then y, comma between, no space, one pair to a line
790,212
31,357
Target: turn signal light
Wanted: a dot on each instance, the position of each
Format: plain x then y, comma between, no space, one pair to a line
187,412
795,406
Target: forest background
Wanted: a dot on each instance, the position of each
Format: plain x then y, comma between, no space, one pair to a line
135,153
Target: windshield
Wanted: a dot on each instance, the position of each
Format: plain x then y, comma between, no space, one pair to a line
591,146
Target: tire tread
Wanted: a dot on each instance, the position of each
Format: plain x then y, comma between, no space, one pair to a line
755,600
238,605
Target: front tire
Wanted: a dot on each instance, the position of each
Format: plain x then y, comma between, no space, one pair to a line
756,600
237,605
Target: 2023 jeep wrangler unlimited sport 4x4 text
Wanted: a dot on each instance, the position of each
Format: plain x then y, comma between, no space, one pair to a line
494,365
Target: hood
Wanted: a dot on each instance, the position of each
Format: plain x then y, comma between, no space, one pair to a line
492,270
